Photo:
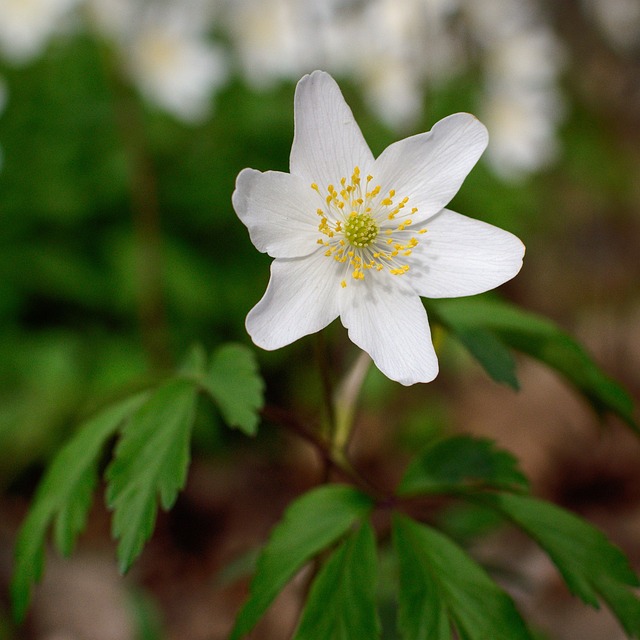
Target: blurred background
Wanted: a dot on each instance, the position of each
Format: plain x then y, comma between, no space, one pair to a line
123,124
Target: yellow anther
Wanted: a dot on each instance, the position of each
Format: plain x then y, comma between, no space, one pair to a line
350,224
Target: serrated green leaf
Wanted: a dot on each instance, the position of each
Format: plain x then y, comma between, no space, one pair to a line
592,567
442,589
235,384
195,362
150,462
63,498
310,524
342,602
462,463
494,357
541,339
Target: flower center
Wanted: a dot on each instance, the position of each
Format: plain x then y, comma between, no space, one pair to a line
364,229
360,229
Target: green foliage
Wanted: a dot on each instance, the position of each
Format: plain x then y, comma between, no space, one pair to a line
461,464
491,353
342,602
152,457
150,461
232,381
537,337
149,465
592,567
443,593
442,588
64,497
311,523
236,387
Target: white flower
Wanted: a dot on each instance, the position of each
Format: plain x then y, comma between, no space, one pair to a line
522,123
166,51
362,238
27,25
177,70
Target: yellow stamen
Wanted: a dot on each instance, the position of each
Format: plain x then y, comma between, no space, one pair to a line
356,231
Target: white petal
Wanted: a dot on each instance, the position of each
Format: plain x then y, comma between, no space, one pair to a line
386,319
278,209
301,299
328,143
429,168
460,256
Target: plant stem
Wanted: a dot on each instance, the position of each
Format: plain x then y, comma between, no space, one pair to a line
346,399
145,212
332,461
327,385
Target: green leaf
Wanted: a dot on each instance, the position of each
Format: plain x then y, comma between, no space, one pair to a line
462,463
63,498
150,461
541,339
234,383
491,353
195,362
342,602
442,588
310,524
592,567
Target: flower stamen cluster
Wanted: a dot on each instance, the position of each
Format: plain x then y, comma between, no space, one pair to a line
360,228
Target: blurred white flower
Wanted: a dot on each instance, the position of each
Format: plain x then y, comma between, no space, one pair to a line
177,70
273,39
619,20
114,19
532,57
522,127
166,51
521,103
27,25
492,20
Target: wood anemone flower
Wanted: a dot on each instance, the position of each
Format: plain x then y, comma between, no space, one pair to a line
362,238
